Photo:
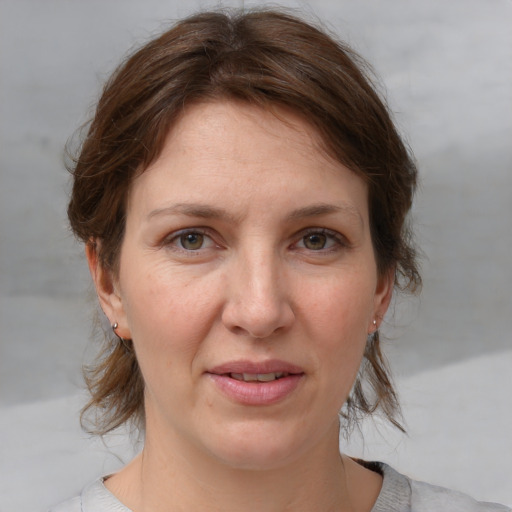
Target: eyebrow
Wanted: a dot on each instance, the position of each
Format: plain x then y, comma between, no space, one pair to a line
321,209
205,211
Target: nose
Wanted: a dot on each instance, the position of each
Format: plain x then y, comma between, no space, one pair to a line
258,304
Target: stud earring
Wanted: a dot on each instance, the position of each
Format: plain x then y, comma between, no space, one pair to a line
125,342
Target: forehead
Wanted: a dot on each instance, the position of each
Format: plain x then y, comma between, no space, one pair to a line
239,129
238,152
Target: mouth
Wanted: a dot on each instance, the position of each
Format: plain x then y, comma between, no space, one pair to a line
257,377
251,383
256,371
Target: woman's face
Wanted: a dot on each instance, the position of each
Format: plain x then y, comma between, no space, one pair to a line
248,284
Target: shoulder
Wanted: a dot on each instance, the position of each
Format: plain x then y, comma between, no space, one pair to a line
94,498
426,497
404,494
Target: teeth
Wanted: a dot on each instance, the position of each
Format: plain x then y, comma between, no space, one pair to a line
257,377
266,377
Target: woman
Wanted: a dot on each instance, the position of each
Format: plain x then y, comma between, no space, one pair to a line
242,194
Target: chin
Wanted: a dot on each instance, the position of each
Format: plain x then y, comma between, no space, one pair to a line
258,447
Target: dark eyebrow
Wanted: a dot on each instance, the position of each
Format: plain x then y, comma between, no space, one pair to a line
321,209
202,211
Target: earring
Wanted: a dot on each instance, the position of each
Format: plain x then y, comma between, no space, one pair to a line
114,326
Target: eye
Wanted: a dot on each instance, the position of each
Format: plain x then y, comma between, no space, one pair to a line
192,240
314,241
321,240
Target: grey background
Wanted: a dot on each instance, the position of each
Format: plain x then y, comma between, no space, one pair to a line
447,67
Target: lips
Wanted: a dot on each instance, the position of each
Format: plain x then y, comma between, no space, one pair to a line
256,383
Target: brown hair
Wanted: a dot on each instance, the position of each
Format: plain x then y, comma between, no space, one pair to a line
265,58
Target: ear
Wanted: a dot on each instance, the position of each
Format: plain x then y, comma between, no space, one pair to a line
107,290
383,294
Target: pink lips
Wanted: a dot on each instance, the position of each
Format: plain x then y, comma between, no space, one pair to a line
251,383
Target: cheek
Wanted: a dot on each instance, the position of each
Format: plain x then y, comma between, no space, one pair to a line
338,322
342,307
168,312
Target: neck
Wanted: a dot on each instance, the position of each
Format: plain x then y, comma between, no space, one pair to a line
179,479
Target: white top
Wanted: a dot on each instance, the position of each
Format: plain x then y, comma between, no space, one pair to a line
398,494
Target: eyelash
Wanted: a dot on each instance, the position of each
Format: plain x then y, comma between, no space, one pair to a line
339,240
172,240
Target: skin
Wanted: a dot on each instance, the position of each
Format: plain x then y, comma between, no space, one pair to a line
276,263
